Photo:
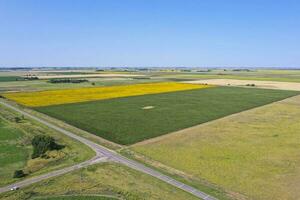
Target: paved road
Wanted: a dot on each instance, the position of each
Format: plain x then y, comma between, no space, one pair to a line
113,156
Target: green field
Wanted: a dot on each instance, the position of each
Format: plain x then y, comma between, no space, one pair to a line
16,149
106,179
10,78
124,120
253,153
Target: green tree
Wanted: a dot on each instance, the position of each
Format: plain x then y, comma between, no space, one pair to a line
43,143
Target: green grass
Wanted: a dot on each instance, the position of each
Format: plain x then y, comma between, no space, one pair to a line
13,155
106,179
76,198
254,153
124,121
16,149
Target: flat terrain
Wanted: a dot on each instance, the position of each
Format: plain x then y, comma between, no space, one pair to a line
106,178
56,97
245,83
41,85
254,153
129,120
259,75
16,149
85,75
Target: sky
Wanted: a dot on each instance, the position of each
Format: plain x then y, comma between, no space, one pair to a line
149,33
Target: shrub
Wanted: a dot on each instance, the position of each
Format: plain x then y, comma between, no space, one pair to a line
18,119
19,174
43,143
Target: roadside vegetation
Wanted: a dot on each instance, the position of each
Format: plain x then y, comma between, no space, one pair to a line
28,148
80,197
134,119
253,154
106,179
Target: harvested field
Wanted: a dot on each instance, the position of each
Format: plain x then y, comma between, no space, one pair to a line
250,83
254,153
124,120
55,97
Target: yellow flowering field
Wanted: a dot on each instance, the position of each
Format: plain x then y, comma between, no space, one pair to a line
56,97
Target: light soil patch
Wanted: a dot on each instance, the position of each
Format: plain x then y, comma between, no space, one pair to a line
254,153
248,83
148,107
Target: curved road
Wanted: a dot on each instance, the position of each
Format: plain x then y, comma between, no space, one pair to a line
101,152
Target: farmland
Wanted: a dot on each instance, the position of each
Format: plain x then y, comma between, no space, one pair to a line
16,148
55,97
102,179
41,85
250,83
253,153
256,74
133,119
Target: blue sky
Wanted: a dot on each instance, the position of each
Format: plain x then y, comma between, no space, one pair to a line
204,33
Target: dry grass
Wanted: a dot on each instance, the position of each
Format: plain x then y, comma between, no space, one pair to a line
55,97
254,153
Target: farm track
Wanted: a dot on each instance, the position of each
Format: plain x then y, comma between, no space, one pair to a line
102,154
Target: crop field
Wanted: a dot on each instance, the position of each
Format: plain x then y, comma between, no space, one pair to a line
106,179
55,97
134,119
16,149
254,153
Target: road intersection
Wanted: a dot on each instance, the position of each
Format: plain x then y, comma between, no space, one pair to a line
102,154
